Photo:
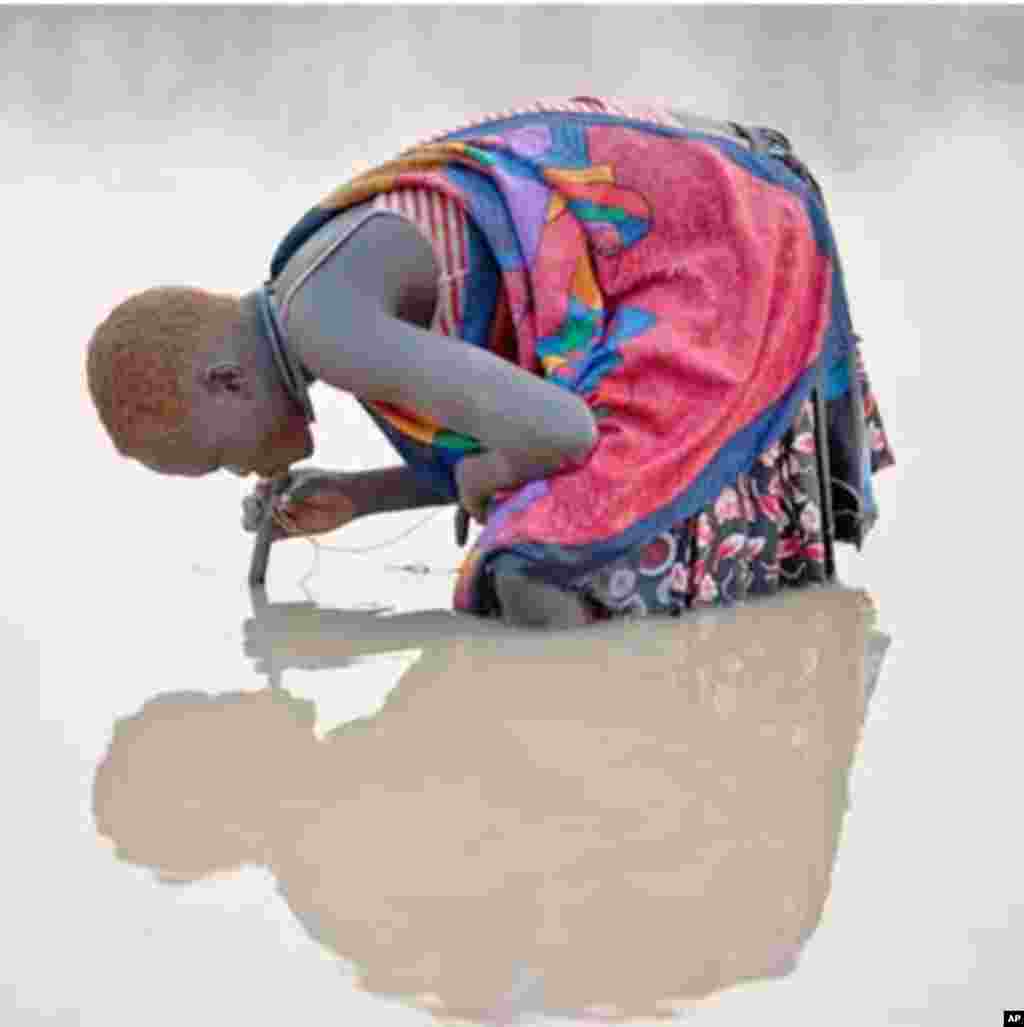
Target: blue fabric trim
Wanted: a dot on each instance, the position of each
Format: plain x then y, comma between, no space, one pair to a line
482,284
837,383
313,220
486,205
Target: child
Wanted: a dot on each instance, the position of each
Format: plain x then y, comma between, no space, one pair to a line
616,335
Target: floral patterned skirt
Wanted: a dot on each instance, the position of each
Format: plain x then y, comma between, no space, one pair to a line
762,533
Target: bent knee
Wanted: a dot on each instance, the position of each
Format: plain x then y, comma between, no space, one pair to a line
528,603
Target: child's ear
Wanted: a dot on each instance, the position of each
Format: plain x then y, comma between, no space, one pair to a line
225,378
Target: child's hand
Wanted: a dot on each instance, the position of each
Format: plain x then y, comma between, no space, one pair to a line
313,503
477,478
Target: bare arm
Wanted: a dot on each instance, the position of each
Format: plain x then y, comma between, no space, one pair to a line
316,501
345,324
384,490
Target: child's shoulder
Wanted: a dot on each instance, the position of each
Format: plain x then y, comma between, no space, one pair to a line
311,243
366,249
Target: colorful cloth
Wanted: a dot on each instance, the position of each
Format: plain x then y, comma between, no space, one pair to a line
685,287
762,533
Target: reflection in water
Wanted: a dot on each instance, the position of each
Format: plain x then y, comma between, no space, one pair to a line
610,822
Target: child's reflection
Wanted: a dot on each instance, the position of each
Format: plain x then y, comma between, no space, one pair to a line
628,819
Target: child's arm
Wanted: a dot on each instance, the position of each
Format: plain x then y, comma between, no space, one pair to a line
384,490
346,326
318,501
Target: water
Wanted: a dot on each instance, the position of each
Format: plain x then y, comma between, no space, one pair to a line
225,807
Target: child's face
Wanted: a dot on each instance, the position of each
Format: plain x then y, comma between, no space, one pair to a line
242,435
268,451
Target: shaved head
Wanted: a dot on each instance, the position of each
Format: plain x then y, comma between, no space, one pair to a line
185,382
142,360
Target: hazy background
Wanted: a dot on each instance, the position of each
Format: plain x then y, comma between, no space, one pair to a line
150,146
307,86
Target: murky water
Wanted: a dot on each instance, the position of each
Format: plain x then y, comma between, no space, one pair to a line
337,802
634,817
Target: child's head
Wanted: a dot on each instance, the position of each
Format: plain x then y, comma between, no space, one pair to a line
184,382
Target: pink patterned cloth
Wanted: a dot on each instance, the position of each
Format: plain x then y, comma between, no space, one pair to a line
761,533
688,289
